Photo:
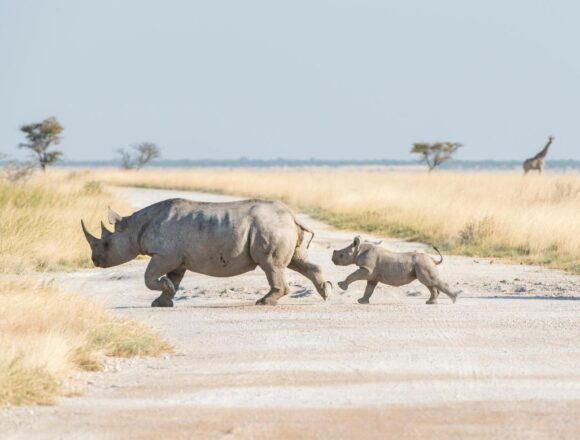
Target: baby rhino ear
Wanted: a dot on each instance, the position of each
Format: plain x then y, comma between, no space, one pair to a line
356,242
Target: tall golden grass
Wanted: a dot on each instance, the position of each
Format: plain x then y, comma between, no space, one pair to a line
533,219
45,334
40,221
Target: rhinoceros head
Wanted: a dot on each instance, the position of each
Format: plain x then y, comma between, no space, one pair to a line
346,256
113,248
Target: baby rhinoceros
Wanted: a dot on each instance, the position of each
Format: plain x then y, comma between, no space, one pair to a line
378,265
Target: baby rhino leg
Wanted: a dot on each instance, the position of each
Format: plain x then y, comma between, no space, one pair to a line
429,276
358,275
444,287
368,292
434,294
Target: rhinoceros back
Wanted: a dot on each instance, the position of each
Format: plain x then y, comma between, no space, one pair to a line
218,239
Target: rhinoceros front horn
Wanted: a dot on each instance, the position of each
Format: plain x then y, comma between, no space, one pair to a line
104,231
91,239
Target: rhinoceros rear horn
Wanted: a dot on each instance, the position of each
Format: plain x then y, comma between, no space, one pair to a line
104,231
90,238
114,217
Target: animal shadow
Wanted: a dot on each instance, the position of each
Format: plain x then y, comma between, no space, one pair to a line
536,297
302,293
414,293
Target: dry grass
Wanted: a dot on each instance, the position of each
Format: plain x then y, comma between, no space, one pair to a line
45,334
40,221
535,219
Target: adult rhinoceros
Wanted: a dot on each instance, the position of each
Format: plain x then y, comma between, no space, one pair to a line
217,239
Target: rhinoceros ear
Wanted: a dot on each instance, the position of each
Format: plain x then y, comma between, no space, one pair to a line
114,217
104,231
356,242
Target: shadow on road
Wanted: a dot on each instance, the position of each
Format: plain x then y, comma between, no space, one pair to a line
302,293
543,297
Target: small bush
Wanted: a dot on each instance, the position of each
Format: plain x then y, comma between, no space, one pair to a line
93,187
477,231
45,334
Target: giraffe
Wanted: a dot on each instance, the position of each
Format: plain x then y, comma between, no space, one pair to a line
537,162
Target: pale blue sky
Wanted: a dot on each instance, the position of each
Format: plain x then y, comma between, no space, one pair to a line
265,79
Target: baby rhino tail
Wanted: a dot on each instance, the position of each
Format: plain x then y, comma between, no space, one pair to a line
440,256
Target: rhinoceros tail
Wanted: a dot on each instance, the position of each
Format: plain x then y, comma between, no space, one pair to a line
305,229
441,256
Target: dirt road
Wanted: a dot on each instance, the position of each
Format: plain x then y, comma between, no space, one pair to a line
504,362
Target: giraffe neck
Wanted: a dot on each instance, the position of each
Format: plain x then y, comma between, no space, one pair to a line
543,153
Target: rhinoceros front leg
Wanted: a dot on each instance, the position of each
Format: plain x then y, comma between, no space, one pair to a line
176,276
156,279
358,275
278,285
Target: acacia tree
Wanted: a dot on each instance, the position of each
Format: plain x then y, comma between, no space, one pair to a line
139,155
434,154
40,137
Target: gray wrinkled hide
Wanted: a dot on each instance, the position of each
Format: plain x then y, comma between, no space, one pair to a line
217,239
379,265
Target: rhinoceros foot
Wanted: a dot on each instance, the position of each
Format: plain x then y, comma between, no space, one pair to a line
162,302
326,290
266,301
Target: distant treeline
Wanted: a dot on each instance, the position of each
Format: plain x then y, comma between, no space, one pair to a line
280,162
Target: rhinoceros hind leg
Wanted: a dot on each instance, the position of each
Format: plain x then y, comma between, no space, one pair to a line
369,290
278,286
314,274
